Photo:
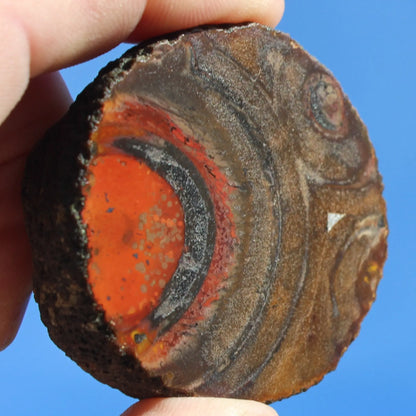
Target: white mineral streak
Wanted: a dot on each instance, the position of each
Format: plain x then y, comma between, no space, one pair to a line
333,218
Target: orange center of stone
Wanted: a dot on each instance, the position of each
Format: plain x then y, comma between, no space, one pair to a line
135,237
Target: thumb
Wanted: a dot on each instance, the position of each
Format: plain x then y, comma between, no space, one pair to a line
191,406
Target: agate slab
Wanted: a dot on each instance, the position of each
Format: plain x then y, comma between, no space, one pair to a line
207,219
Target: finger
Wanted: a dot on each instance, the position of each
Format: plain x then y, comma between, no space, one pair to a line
15,287
163,16
44,102
53,34
62,32
191,406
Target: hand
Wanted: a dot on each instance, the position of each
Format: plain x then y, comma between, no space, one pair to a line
38,38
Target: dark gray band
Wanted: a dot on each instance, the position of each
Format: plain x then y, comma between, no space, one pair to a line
200,229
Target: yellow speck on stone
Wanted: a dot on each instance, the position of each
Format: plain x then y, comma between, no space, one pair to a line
294,44
373,268
131,311
143,345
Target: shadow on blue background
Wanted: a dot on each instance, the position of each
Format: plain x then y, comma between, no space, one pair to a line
370,48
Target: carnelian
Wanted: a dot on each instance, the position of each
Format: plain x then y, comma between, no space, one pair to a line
136,236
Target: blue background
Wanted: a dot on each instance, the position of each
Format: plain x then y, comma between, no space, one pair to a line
370,46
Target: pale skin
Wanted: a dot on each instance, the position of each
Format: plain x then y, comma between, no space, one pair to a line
40,37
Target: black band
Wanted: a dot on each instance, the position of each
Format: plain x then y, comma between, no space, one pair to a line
200,229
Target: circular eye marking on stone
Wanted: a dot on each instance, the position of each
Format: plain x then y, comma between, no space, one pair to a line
325,105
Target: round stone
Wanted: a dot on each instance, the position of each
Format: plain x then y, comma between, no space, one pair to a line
207,219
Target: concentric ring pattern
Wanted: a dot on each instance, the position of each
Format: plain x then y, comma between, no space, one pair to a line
231,228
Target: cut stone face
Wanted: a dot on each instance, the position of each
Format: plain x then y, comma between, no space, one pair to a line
207,219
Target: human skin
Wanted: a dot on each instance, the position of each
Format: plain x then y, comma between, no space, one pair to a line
40,37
